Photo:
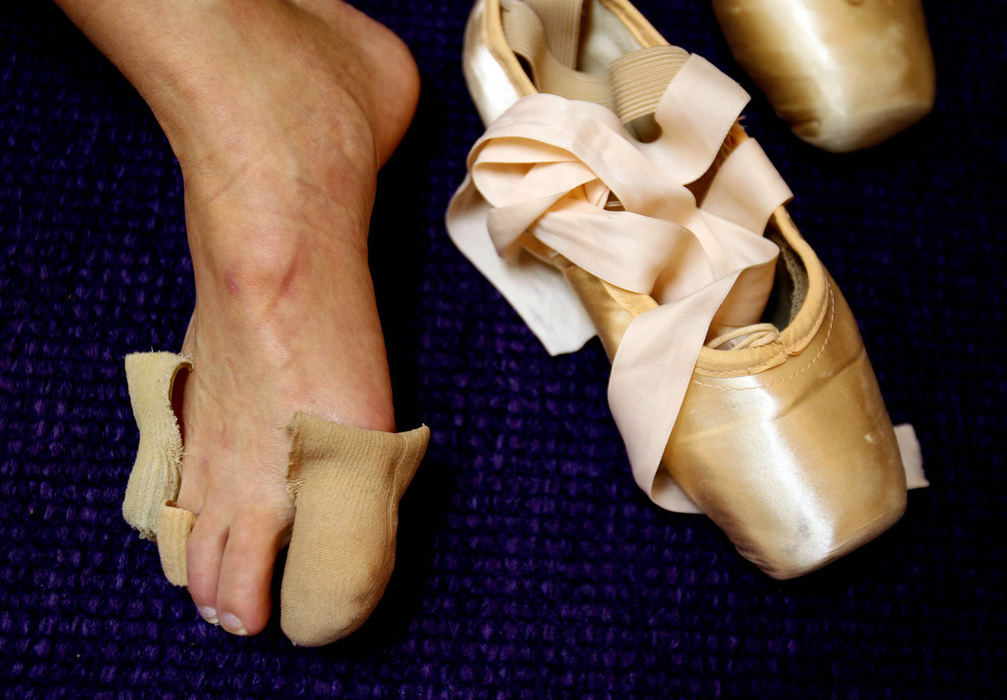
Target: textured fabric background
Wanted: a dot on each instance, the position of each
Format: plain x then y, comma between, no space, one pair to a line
529,564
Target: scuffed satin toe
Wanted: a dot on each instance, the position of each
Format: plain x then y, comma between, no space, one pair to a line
845,74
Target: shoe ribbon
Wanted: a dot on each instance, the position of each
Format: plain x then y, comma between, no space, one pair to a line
550,168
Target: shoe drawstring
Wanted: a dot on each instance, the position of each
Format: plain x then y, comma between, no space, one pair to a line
753,336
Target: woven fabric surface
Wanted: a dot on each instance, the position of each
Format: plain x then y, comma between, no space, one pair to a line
529,564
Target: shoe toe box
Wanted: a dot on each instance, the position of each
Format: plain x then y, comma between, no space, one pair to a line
798,464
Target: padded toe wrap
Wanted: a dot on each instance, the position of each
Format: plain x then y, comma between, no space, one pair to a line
157,471
173,527
346,483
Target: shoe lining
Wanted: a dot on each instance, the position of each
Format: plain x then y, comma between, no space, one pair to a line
791,284
603,38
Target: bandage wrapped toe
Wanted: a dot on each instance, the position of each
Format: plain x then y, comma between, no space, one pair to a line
346,483
157,471
173,527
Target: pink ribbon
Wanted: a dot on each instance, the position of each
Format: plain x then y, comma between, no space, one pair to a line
549,167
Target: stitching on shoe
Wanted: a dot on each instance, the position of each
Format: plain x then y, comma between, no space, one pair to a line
828,336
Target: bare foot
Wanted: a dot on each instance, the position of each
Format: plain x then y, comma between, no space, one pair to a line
280,114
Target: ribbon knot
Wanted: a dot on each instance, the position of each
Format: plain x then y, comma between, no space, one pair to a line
548,167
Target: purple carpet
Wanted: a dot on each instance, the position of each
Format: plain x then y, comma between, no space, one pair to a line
529,563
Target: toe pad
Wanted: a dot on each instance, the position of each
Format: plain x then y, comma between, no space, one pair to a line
157,471
173,527
346,483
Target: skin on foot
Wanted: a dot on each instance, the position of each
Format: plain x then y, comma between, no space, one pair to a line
280,114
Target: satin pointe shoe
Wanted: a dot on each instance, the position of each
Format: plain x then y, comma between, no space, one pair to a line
614,193
345,484
845,74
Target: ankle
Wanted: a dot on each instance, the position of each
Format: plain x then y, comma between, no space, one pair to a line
267,257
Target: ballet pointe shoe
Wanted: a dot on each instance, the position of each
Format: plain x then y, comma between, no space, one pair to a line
788,446
845,74
345,483
615,193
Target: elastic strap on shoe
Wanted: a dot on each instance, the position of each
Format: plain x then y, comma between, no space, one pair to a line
640,79
346,483
561,20
546,35
529,38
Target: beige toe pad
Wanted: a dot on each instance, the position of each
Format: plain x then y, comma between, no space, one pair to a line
346,483
157,471
173,527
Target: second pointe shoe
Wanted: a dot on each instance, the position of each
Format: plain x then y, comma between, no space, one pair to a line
845,74
345,483
614,192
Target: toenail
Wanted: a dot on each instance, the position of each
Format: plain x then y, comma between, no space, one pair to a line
209,614
232,624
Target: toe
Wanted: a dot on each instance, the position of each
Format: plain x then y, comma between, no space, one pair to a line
205,552
246,571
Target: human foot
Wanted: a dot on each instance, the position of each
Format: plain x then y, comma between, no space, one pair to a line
280,114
